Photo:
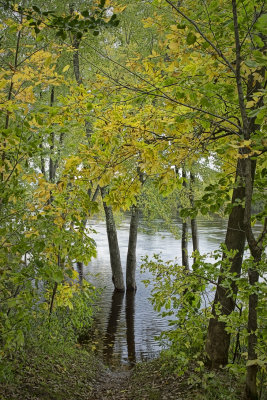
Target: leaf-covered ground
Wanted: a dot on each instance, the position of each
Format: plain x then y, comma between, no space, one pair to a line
79,375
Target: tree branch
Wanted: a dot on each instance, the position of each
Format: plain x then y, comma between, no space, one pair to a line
218,51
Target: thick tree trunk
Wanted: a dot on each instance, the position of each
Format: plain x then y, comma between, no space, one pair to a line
218,340
114,251
131,255
251,378
256,249
185,261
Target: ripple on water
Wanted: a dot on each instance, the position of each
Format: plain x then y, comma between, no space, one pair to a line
128,323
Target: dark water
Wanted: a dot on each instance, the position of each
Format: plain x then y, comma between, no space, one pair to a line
127,323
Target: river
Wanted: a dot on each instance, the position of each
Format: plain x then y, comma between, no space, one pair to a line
127,323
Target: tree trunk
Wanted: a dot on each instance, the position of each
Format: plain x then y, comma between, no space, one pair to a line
256,249
185,245
193,220
52,171
114,251
131,255
185,232
218,340
251,378
80,272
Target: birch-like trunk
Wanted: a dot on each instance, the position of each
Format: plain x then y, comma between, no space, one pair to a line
194,230
185,260
114,251
131,254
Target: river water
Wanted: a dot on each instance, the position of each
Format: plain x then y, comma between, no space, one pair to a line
127,323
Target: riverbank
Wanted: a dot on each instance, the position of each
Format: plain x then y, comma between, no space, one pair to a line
78,374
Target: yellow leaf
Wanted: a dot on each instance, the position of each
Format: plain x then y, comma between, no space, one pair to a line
174,46
250,104
66,68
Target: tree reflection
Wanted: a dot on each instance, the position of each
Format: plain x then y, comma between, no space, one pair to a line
114,317
130,300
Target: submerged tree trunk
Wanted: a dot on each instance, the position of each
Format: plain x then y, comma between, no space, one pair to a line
185,261
218,340
114,251
194,230
131,255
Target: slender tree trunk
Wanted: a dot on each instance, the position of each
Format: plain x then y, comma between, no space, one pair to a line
218,340
52,171
80,272
185,261
114,251
131,255
194,230
53,298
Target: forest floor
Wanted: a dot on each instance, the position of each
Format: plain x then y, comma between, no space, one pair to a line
80,375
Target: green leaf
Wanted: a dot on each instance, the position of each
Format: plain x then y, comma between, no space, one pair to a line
85,14
37,9
261,24
191,38
58,276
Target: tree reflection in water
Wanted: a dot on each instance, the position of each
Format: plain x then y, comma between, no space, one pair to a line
112,326
130,297
114,317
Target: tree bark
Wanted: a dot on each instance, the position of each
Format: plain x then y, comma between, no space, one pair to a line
114,251
52,171
194,230
80,272
185,261
256,249
131,254
218,340
251,377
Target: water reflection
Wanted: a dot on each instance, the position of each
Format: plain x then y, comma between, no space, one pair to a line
112,326
130,334
109,354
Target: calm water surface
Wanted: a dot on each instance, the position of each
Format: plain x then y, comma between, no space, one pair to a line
127,322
